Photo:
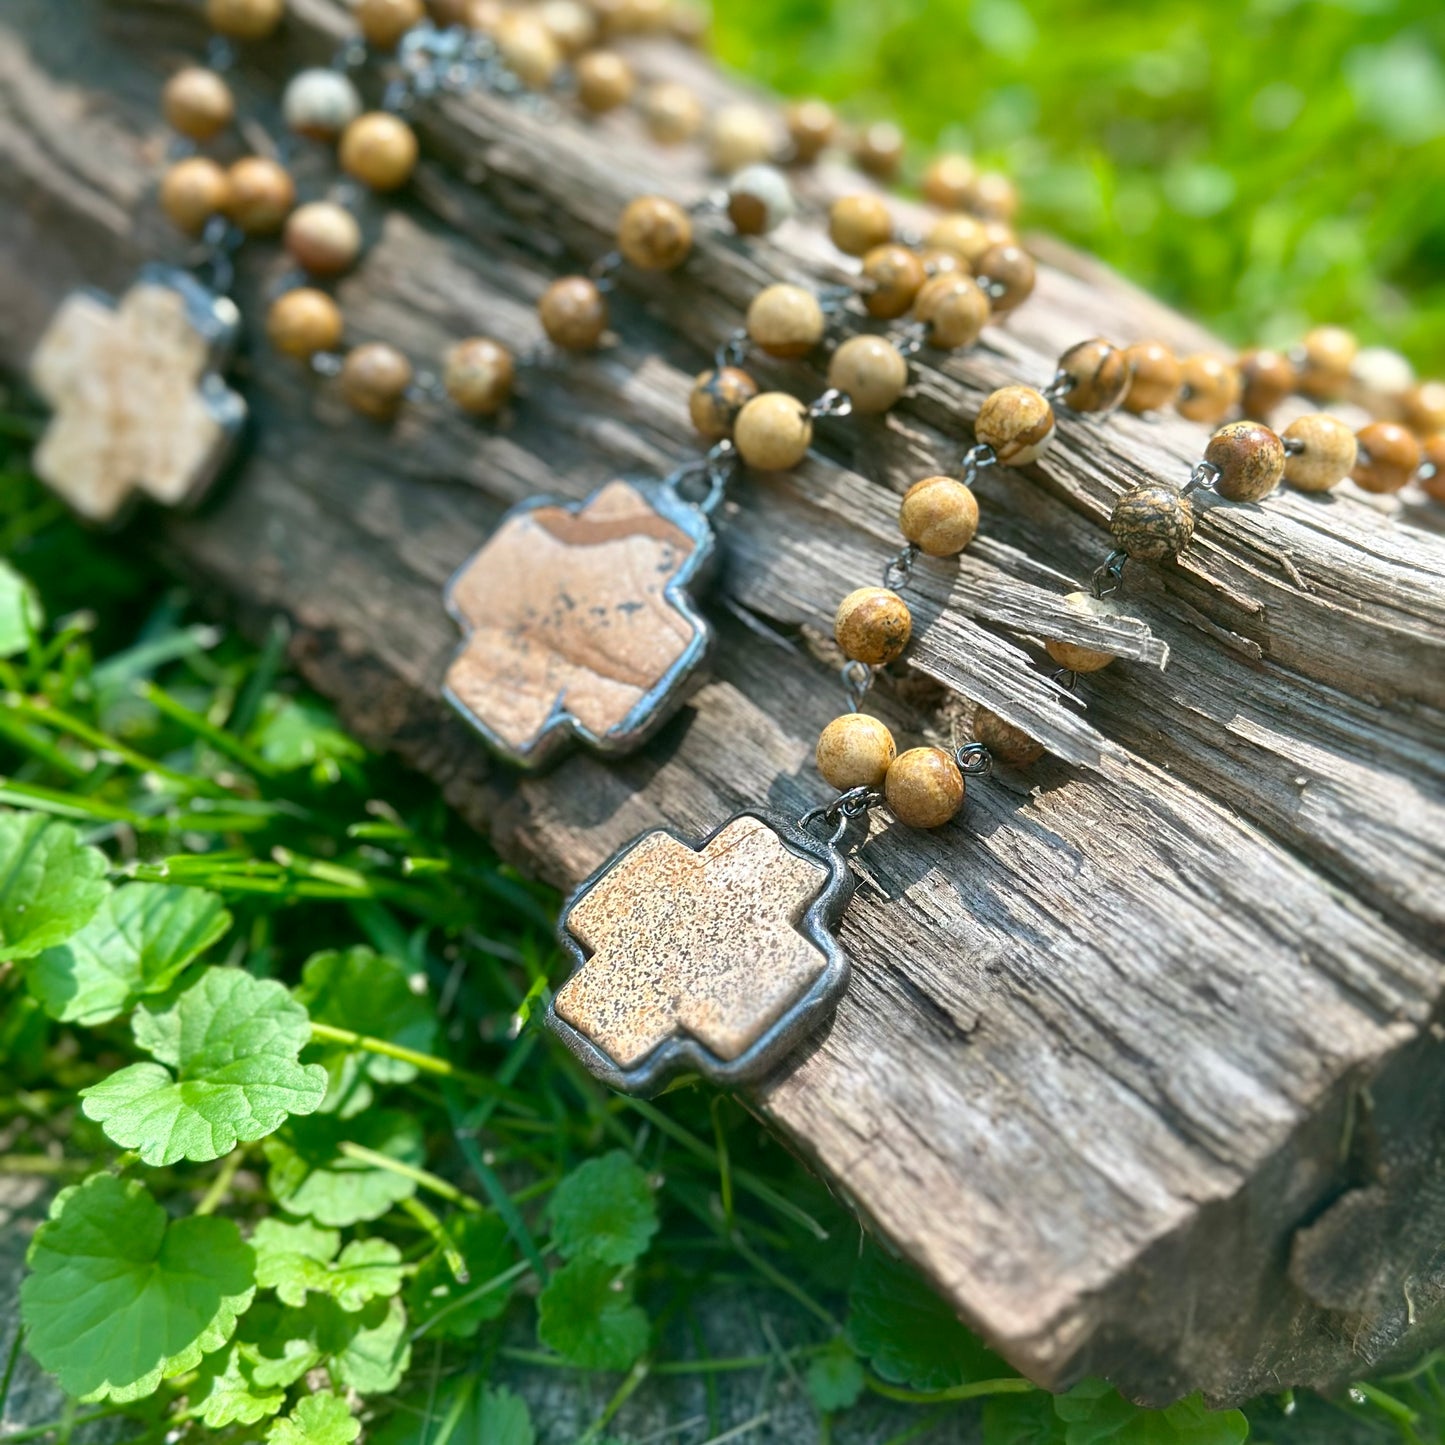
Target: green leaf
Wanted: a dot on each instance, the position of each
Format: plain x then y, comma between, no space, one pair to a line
604,1209
227,1392
377,1355
50,883
1094,1412
137,943
835,1378
301,733
120,1298
309,1175
295,1258
586,1314
1022,1420
233,1043
320,1419
461,1412
436,1294
911,1336
21,615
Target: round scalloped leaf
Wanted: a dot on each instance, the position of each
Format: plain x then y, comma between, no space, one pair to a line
1094,1413
50,883
835,1378
604,1209
463,1412
589,1320
454,1309
293,1259
310,1175
119,1297
320,1419
227,1392
376,1355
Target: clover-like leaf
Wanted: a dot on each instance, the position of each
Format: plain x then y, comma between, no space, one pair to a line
137,943
228,1393
293,1259
377,1354
119,1297
1094,1413
50,883
228,1071
461,1412
21,615
604,1209
440,1303
310,1175
835,1378
320,1419
1024,1419
586,1314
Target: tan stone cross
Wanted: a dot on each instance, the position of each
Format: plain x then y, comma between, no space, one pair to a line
703,943
138,405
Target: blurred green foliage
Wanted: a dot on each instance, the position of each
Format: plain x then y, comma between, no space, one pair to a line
1262,164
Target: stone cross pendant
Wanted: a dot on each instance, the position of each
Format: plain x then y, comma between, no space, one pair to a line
139,404
579,622
717,958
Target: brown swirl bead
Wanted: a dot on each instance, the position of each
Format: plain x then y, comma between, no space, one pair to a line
1098,375
655,234
260,194
1152,522
1327,355
384,22
1389,456
939,516
992,195
1326,452
192,191
873,625
302,322
1268,377
859,222
1211,389
198,103
322,238
1154,377
1073,655
1432,472
671,112
244,19
892,276
785,320
947,180
1006,742
1017,422
773,432
604,81
718,395
478,374
573,312
374,379
1424,408
812,127
871,370
954,308
924,788
379,150
1010,272
855,751
878,150
1250,457
960,234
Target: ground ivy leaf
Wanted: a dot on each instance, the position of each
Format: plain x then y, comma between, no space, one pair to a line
1027,1419
588,1317
463,1413
21,615
282,1344
233,1043
228,1393
137,943
301,732
908,1332
50,883
309,1175
1094,1412
835,1378
120,1298
604,1209
320,1419
292,1258
436,1294
377,1355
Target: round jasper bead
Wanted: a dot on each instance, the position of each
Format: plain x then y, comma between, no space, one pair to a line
759,200
1005,741
939,516
1388,457
374,379
478,374
924,788
1009,270
740,135
717,397
604,81
812,127
1424,408
671,112
528,48
855,751
993,195
1250,457
947,182
378,150
871,370
1211,389
655,234
323,238
244,19
1152,521
1071,654
892,276
1154,377
573,313
384,22
961,235
859,222
1328,352
304,321
1268,378
873,625
878,149
1017,422
192,191
1432,476
954,308
260,194
1327,452
773,431
785,320
570,23
320,103
1098,375
197,103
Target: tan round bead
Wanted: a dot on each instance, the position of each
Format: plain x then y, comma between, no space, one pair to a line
812,127
1432,474
689,21
1268,378
374,379
859,222
655,234
939,516
924,788
244,19
384,22
773,432
604,81
759,199
1017,422
1388,457
1006,742
718,395
947,182
570,23
260,194
478,374
999,233
1328,352
1152,522
1098,375
323,238
197,103
878,149
379,150
304,321
319,103
192,191
671,112
954,309
1211,388
1250,457
892,277
855,751
871,370
963,235
1071,654
993,195
1424,408
873,625
740,135
529,50
785,320
1154,377
1010,272
1328,455
573,312
940,262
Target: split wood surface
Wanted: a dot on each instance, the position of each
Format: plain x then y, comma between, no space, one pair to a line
1140,1060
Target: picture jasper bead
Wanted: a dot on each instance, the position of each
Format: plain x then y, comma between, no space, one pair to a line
528,48
478,374
322,238
304,321
1211,389
1017,422
892,277
1424,408
384,22
960,235
1010,273
947,182
1388,457
860,222
320,103
1267,377
1250,457
655,234
1154,377
1152,521
939,516
1007,742
671,112
924,788
244,19
873,625
954,308
1073,655
878,150
1327,452
604,81
198,103
374,379
855,751
740,135
785,320
1327,354
192,191
378,150
759,200
573,312
812,128
1098,375
993,195
718,395
773,432
871,370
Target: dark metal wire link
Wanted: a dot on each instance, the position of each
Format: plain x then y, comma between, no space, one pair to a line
857,678
832,402
710,204
899,567
1066,678
1108,577
715,468
837,299
974,460
974,760
604,270
911,339
1059,387
734,350
842,810
1293,446
1205,475
220,54
214,260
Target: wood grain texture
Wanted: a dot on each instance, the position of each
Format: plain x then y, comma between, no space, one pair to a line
1134,1051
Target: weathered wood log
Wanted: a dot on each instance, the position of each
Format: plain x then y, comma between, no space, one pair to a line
1142,1060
